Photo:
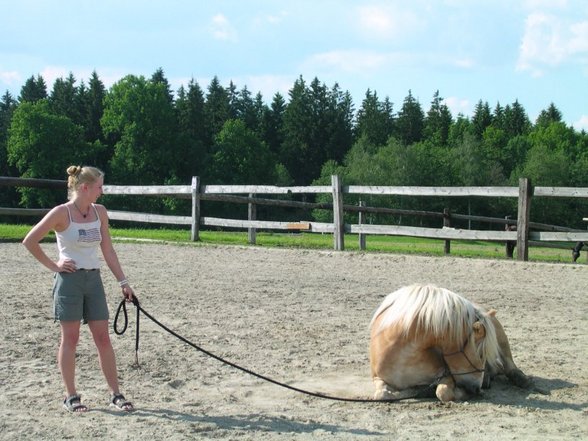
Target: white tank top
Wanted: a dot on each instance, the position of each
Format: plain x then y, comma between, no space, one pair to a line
80,242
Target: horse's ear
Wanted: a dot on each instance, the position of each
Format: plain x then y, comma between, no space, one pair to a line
492,313
479,331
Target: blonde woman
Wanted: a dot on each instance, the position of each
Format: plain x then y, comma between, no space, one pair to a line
81,227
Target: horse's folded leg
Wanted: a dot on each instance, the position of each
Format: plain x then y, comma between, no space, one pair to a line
518,378
447,390
384,392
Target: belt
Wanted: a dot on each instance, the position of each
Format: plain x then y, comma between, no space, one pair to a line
87,269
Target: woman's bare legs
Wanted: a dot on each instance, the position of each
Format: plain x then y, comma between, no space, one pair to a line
66,357
99,329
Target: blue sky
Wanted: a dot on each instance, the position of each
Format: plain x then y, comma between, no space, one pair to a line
499,51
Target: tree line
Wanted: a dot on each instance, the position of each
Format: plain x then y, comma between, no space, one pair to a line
140,132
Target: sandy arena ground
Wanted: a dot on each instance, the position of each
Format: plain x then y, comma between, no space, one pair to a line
300,317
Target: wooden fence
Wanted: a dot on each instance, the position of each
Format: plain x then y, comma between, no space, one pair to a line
514,231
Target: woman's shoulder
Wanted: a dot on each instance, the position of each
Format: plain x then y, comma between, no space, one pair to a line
58,217
59,210
100,208
102,212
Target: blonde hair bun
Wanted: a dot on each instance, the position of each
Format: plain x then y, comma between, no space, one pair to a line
74,170
79,175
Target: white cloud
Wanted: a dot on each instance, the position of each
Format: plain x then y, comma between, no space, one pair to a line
10,77
348,61
388,21
550,41
545,4
458,105
222,29
465,63
272,19
51,73
355,61
579,40
582,123
269,85
276,19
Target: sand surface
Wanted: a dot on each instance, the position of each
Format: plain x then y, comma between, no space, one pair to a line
299,317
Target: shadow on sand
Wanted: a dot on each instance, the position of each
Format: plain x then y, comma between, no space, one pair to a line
253,422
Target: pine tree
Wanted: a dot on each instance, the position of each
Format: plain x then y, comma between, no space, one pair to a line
63,99
194,137
273,124
33,90
548,116
158,77
438,122
481,119
93,109
217,108
410,121
374,120
516,120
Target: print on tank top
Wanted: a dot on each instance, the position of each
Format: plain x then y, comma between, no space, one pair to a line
89,235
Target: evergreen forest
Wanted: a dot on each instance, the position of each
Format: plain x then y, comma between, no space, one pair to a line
141,132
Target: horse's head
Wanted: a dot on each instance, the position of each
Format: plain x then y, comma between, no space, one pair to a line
466,364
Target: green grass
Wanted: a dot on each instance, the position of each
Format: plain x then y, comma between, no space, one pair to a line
379,244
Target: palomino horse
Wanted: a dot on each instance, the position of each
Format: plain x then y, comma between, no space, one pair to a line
422,336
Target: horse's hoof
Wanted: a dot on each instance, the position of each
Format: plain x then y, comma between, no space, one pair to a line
445,393
383,394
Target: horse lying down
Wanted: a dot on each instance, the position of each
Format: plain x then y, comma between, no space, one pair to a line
425,336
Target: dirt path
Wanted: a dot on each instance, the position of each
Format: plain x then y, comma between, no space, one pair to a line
297,316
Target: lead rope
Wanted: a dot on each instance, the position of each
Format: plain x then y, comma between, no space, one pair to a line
122,307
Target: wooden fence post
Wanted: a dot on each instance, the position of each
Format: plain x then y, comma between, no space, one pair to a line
338,218
524,212
195,234
361,221
251,215
447,223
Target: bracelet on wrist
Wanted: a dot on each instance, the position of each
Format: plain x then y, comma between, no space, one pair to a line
123,282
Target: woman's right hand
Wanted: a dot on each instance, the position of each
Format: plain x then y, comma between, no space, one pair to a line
66,266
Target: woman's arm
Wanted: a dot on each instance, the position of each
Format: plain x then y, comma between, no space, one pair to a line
110,256
55,220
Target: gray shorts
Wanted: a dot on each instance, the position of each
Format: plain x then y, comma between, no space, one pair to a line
79,296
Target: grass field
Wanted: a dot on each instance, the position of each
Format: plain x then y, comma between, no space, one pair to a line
380,244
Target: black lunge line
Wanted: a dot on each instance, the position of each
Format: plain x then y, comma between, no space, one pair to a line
122,307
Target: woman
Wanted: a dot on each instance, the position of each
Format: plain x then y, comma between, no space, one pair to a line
81,226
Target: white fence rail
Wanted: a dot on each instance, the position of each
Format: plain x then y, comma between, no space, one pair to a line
524,193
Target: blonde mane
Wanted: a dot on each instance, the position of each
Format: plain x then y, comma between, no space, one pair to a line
430,310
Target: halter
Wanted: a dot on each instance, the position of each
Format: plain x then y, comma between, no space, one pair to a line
462,352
